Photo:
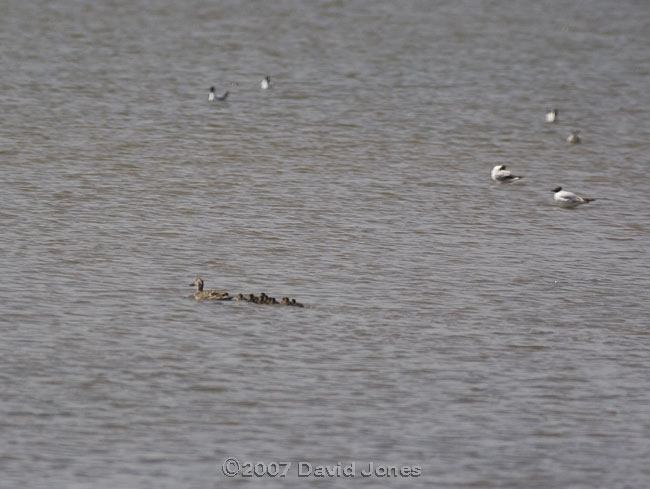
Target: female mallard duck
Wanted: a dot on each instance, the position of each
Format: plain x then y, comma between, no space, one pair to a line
214,295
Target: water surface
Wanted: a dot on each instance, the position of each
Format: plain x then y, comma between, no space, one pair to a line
468,328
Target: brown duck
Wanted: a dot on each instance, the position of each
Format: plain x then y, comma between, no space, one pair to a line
213,295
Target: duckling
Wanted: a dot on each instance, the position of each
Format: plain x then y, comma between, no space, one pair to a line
215,295
271,300
285,301
251,298
239,297
294,303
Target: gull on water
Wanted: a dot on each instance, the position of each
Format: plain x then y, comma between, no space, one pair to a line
501,175
568,199
574,138
266,82
221,98
551,116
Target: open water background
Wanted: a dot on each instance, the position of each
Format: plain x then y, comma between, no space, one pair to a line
468,328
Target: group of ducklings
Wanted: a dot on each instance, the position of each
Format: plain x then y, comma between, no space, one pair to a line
218,295
265,299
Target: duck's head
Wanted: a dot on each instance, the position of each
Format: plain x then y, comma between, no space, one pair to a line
198,283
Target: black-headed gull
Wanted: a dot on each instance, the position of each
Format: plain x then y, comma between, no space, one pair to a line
266,82
501,175
568,199
221,98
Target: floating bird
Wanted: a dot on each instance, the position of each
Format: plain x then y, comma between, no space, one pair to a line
501,175
215,295
568,199
266,82
218,295
221,98
294,303
551,116
574,138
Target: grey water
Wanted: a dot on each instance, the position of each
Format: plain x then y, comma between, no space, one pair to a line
469,329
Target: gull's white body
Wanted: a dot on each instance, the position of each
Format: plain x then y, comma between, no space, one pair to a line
573,138
551,116
568,199
501,175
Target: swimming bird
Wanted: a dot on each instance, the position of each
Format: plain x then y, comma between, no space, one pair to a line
215,295
266,82
573,138
551,116
294,303
501,175
221,98
568,199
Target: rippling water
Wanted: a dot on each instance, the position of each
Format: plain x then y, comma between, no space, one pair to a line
471,329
